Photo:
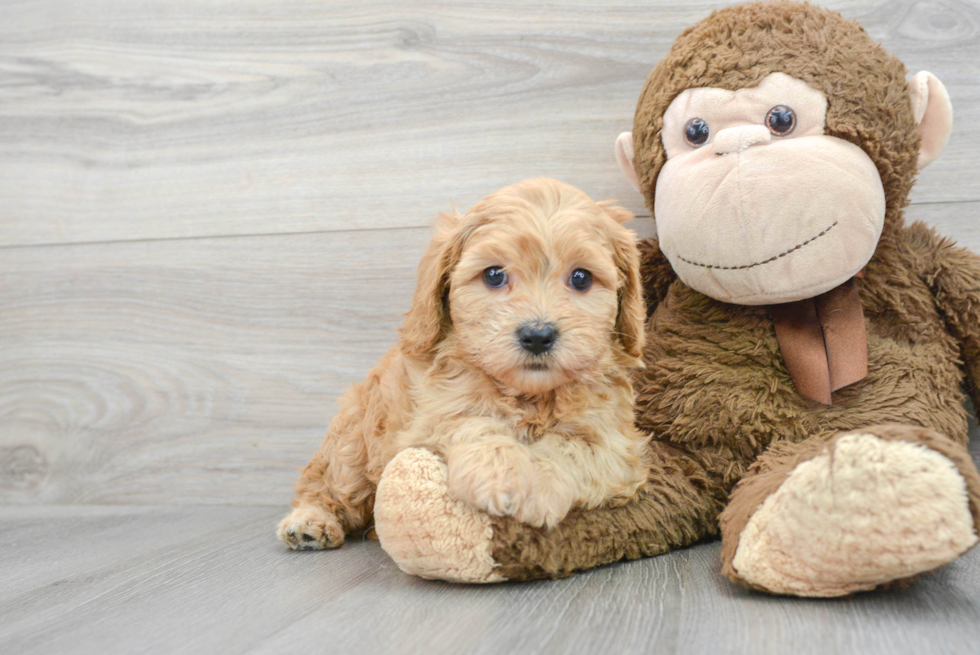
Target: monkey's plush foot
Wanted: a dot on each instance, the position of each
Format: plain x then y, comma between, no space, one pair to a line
311,528
425,529
869,508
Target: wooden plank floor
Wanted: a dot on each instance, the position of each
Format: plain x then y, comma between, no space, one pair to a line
214,580
210,217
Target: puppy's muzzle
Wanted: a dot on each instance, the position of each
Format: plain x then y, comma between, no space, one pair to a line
537,338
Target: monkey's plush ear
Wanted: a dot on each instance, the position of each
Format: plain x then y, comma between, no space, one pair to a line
428,318
934,114
624,155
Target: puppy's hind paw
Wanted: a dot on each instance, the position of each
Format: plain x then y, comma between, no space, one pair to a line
311,528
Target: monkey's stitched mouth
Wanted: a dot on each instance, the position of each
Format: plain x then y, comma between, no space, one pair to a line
766,261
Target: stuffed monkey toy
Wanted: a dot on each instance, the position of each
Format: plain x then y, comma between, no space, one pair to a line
807,350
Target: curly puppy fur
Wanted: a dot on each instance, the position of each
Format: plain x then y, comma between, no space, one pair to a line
523,435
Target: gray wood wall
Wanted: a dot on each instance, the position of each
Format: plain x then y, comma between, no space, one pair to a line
211,212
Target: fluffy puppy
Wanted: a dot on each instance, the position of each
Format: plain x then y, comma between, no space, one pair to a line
513,365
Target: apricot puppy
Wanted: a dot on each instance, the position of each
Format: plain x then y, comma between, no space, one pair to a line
513,365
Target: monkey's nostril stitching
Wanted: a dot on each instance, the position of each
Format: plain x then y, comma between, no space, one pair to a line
734,152
734,140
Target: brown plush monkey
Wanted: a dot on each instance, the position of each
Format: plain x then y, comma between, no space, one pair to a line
806,348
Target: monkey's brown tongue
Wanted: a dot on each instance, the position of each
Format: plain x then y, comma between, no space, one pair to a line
823,341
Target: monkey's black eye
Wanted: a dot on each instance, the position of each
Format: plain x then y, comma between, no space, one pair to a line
580,279
696,132
781,120
495,277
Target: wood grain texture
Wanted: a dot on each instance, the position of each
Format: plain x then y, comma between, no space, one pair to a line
179,118
209,580
187,371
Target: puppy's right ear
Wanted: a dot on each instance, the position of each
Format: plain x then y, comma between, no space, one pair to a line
631,318
428,319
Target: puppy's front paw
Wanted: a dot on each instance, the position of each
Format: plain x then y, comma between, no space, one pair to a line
550,501
496,478
311,528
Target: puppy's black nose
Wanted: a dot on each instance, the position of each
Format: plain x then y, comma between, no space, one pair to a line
537,338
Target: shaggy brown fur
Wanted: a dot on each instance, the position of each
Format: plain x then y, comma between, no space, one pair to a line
715,393
524,435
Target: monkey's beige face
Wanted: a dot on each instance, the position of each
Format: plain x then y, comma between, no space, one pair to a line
755,204
533,299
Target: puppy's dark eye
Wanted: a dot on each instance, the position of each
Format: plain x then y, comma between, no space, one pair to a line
495,277
696,132
781,120
580,279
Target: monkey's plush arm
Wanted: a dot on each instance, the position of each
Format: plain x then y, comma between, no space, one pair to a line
655,272
431,534
953,274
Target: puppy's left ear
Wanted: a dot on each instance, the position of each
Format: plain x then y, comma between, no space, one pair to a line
631,317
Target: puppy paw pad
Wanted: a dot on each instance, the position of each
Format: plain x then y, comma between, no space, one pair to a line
307,528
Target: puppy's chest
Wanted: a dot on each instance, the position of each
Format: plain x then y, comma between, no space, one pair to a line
531,421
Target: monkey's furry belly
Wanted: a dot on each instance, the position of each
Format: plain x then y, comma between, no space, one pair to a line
715,382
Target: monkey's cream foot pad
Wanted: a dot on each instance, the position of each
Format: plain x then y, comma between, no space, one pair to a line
424,529
871,512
